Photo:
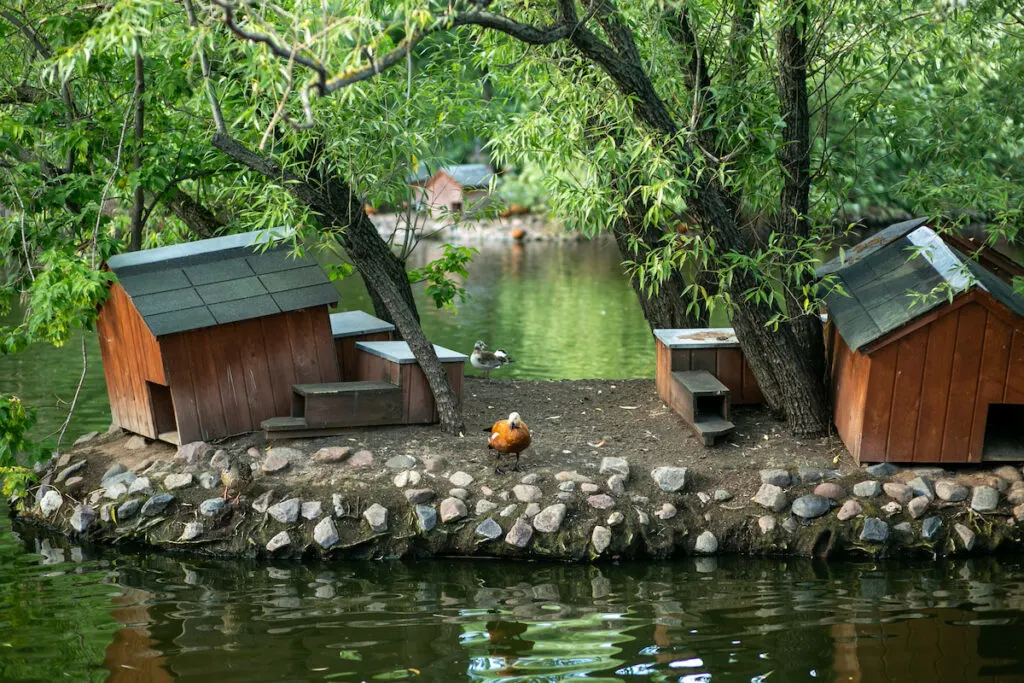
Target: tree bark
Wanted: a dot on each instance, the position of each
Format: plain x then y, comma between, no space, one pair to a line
199,219
343,216
138,201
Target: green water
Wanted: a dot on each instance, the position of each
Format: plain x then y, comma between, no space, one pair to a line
69,614
562,310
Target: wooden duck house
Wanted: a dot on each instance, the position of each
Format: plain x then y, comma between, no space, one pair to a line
454,188
927,352
217,337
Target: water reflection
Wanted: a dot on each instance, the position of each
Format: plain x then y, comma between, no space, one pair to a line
131,618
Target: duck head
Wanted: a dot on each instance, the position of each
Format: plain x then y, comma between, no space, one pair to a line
479,346
514,420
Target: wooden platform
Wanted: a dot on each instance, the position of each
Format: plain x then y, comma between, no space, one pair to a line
703,401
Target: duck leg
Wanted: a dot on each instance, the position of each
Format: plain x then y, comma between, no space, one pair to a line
515,467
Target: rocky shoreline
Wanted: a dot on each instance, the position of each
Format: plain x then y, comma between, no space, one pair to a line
308,500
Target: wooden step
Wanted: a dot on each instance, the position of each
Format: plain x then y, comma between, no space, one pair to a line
713,428
294,428
703,401
347,404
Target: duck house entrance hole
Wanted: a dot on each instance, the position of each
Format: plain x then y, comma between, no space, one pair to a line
1004,432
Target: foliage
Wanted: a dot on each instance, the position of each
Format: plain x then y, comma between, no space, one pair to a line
16,450
441,287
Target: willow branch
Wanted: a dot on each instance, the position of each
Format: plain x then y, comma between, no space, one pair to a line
204,63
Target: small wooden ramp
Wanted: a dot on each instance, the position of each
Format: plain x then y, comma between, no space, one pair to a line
320,409
702,401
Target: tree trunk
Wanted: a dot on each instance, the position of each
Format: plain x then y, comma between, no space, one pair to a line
199,219
343,216
135,239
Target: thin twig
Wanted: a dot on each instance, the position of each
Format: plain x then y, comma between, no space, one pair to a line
117,164
24,242
78,391
204,63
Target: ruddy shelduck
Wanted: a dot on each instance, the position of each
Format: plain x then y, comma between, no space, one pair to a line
509,436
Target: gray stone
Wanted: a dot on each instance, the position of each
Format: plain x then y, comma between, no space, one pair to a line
771,497
564,496
192,531
904,531
766,523
360,459
901,493
401,462
921,486
275,461
126,478
611,465
332,454
850,509
931,527
1015,496
311,509
220,460
549,520
157,504
984,499
377,517
279,541
706,543
616,484
527,493
790,524
1007,472
452,509
669,479
616,518
867,489
128,509
588,488
831,490
508,510
776,477
426,517
666,512
105,512
882,469
917,506
601,538
461,479
573,476
82,518
140,486
192,452
520,534
64,459
115,491
642,518
812,475
531,478
211,506
262,503
325,533
68,471
721,495
461,494
407,478
489,529
892,508
484,506
135,443
86,438
811,506
703,497
417,496
966,536
287,511
950,491
173,482
486,491
112,471
567,486
601,501
73,483
532,510
875,531
207,481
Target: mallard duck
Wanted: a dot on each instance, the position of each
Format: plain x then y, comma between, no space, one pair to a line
237,476
509,436
485,360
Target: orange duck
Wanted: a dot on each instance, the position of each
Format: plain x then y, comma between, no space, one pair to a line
509,436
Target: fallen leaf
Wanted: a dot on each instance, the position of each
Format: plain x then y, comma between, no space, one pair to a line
629,407
553,417
596,445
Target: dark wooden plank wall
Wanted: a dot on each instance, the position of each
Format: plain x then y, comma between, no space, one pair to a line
345,349
929,391
227,379
727,364
850,372
131,357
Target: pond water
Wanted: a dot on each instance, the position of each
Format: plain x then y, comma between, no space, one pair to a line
563,310
67,613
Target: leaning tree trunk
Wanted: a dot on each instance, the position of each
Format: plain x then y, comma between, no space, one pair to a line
199,219
342,214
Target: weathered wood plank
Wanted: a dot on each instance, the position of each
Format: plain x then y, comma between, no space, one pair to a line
878,403
177,363
935,388
206,386
278,350
906,396
1014,391
751,389
259,388
300,334
223,345
323,342
704,359
995,357
963,385
418,402
729,370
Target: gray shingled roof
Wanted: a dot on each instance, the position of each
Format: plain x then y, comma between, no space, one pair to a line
220,280
467,175
881,280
